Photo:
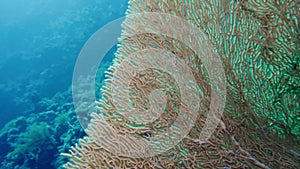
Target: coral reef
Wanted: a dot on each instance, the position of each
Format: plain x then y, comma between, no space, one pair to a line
36,141
37,59
258,43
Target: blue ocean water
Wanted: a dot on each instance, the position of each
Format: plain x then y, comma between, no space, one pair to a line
40,41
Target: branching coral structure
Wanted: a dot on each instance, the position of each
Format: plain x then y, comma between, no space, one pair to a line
258,45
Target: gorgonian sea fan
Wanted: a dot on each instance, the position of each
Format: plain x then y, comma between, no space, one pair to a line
258,43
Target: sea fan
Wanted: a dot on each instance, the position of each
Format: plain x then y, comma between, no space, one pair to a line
258,46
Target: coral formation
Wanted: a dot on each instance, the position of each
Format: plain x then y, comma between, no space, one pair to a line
258,42
35,141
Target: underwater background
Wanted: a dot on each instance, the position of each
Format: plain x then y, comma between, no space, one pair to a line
39,44
258,42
